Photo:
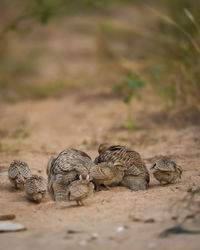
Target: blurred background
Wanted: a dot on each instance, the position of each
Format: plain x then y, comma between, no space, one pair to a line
50,46
84,72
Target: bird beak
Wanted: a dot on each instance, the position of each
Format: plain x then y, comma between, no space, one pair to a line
152,167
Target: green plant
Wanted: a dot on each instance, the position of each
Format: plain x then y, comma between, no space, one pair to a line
166,91
130,88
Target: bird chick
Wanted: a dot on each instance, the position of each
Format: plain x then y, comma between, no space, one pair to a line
107,173
136,177
103,146
35,188
165,170
18,173
64,169
80,189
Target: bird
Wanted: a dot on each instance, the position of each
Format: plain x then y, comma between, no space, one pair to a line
80,189
107,173
103,146
35,188
165,170
64,169
18,173
136,177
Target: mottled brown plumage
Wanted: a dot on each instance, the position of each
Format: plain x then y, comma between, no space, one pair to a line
35,188
103,146
136,177
64,169
80,189
165,170
107,173
18,173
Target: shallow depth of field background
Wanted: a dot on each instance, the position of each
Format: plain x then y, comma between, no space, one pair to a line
84,72
48,47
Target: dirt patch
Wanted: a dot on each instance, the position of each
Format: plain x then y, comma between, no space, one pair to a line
107,219
178,118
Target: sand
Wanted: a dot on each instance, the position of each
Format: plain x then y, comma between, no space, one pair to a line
111,219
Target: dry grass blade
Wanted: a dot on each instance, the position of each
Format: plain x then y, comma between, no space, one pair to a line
170,21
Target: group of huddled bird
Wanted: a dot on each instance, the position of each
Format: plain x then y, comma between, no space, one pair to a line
73,176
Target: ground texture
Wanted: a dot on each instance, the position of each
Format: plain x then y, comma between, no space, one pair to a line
83,120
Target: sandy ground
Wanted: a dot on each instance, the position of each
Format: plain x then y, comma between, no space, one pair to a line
84,123
34,130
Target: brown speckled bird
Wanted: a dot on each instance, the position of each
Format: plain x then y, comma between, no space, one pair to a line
166,170
35,188
18,173
80,189
64,169
136,177
107,173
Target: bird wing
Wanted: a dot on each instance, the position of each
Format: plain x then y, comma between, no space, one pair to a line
67,178
25,171
131,158
31,186
110,154
13,172
72,159
101,172
168,166
78,190
83,154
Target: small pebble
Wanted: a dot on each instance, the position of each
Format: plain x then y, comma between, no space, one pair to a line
83,242
150,220
8,226
95,236
120,229
7,216
74,231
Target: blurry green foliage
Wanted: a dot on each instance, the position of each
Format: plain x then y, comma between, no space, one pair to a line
180,51
130,125
174,51
44,10
184,13
130,88
167,91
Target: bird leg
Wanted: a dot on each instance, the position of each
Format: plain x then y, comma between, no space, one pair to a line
97,187
107,187
81,202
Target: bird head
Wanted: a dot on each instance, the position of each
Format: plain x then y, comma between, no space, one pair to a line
103,146
50,165
37,197
120,165
84,178
153,167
